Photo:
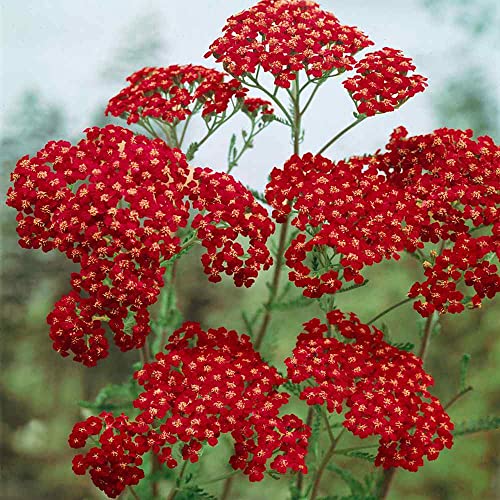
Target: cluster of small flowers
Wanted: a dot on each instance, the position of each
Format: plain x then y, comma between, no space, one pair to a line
286,36
115,459
173,93
382,83
212,383
204,385
114,204
455,183
423,189
228,210
255,105
348,209
384,388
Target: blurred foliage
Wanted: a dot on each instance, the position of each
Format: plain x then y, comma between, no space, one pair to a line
468,102
478,17
141,44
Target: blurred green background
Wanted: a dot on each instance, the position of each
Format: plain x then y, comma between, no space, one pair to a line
39,389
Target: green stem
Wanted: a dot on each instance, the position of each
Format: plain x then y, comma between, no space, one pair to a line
457,396
340,134
177,487
134,494
321,469
272,96
284,231
389,309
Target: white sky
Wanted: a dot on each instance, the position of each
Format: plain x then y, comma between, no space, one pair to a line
60,46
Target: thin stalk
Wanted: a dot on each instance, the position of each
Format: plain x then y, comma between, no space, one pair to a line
389,309
278,103
134,494
457,396
321,469
311,97
284,230
177,488
184,129
300,477
340,134
424,346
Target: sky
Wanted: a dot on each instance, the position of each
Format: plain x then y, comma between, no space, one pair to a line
60,48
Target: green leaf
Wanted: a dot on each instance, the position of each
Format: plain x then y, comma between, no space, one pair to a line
353,287
464,366
362,455
478,425
113,397
300,301
355,486
403,346
194,493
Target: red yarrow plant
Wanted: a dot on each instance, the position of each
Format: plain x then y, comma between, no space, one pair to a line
125,207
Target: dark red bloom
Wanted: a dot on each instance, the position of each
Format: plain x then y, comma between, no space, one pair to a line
349,217
383,82
455,183
113,462
173,93
212,383
383,388
286,36
351,214
114,204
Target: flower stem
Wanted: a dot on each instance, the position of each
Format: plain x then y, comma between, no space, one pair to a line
133,493
296,131
389,309
177,487
321,469
457,396
340,134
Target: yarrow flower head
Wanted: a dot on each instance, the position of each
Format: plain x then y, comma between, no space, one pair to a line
383,82
349,217
205,384
114,204
354,213
173,93
286,36
383,388
114,461
454,181
212,383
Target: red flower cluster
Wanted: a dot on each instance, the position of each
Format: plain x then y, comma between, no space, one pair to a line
286,36
383,83
353,216
255,105
355,213
114,462
114,203
228,210
173,93
454,183
212,383
384,388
